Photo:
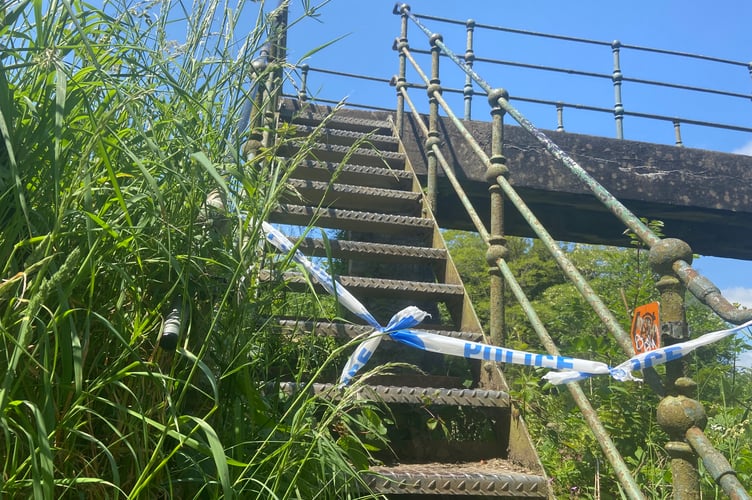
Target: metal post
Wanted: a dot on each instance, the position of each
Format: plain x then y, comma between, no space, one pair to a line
399,45
560,117
678,411
617,77
303,90
467,90
256,119
496,249
434,87
676,415
277,57
677,133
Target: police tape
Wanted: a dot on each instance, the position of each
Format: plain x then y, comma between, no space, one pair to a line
401,324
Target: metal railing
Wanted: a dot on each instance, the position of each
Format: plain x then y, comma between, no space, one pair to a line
670,259
618,78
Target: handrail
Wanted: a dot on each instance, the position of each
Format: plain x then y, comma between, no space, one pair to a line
716,464
667,255
698,285
591,416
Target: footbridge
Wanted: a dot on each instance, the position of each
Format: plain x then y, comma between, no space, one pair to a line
387,180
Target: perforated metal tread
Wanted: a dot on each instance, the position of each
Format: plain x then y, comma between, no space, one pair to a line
412,395
349,330
374,252
345,137
353,197
487,478
352,220
377,287
363,175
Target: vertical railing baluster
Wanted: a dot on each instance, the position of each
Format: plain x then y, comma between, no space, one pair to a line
617,78
677,133
496,249
400,44
434,87
303,90
560,117
677,412
467,90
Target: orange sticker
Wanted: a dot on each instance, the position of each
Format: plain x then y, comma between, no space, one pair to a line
646,328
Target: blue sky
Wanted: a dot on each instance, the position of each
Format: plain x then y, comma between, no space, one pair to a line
369,27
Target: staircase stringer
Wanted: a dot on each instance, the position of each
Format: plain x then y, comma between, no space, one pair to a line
491,375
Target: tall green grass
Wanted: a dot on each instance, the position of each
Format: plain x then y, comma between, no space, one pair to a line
113,137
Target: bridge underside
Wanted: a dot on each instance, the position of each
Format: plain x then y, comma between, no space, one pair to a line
703,197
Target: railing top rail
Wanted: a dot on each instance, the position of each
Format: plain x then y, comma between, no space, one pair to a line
588,41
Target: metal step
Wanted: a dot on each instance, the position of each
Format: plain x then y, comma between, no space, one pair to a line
389,394
349,330
353,197
348,137
353,174
336,153
297,113
486,478
351,220
377,287
372,252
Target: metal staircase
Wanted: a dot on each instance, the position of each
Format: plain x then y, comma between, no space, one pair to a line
357,183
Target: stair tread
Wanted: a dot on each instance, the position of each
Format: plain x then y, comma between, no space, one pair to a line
383,252
415,395
492,477
350,219
352,330
335,152
346,137
295,112
351,173
362,286
350,196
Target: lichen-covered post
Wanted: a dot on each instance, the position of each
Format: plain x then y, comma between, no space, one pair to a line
434,88
617,78
677,412
676,415
467,90
496,249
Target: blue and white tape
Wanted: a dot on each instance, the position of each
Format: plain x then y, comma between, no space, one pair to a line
401,324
